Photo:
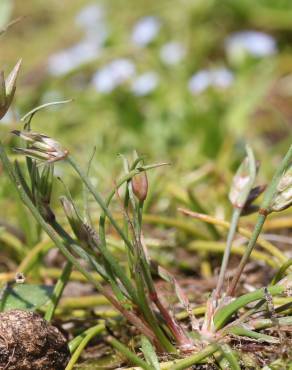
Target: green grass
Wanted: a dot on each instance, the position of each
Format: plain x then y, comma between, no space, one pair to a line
202,136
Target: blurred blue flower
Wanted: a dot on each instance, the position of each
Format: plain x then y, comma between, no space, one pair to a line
90,15
69,59
172,53
221,77
255,43
113,74
145,30
145,83
216,77
199,82
91,19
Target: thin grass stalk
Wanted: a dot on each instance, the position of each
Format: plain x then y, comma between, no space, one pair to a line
278,276
229,356
131,356
244,332
269,247
223,314
113,263
149,315
58,291
98,199
195,358
263,213
252,242
59,244
176,330
259,324
84,339
142,302
233,226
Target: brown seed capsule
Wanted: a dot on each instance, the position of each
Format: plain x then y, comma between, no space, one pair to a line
140,186
7,89
29,342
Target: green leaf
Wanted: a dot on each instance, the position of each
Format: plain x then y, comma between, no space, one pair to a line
149,353
25,296
6,7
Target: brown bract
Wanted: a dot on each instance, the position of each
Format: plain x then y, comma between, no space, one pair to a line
29,342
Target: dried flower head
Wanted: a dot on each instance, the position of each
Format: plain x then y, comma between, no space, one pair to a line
283,197
41,147
7,88
243,181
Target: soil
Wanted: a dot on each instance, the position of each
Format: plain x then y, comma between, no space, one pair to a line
29,342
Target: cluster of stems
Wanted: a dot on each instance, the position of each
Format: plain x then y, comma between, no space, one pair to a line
130,288
133,291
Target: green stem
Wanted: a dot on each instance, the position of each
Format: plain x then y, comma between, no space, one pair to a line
141,298
108,256
81,342
244,332
99,199
281,271
195,358
229,356
176,330
58,291
252,242
223,314
63,279
264,210
227,251
269,323
59,244
129,354
149,315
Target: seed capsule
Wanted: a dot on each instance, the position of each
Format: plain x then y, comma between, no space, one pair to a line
8,88
140,186
283,198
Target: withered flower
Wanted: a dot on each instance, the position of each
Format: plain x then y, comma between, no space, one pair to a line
41,147
7,88
283,197
243,181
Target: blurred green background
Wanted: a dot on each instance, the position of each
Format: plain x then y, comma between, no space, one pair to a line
186,81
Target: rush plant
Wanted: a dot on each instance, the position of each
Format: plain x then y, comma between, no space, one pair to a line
129,284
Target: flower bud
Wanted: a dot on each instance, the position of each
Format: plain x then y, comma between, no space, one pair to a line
243,181
41,147
283,197
140,186
85,234
72,217
7,89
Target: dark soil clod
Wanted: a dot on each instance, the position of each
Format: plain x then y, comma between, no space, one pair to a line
29,342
